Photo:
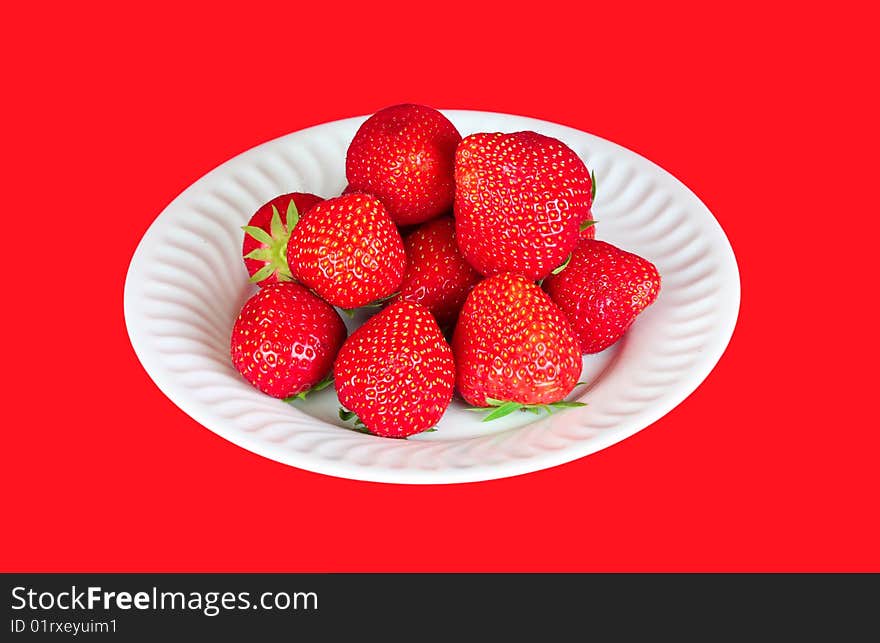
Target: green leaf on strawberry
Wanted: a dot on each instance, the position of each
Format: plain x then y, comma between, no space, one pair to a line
584,225
501,408
260,235
592,186
345,415
561,266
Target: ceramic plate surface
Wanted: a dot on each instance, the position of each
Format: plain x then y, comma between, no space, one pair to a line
186,283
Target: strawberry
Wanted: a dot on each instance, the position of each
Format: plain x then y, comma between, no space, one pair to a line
513,347
265,241
348,250
602,290
396,372
519,201
436,276
404,156
285,339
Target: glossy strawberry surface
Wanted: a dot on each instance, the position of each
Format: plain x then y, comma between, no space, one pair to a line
602,290
396,371
513,344
404,155
348,250
285,339
437,276
520,199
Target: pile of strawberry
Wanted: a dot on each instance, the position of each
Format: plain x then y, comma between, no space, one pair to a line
488,240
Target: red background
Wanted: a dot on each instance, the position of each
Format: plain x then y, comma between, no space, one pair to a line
765,112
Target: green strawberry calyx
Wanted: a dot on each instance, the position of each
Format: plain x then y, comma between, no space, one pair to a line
592,185
319,386
500,408
345,415
274,250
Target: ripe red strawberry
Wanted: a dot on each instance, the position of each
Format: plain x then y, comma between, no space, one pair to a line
285,340
396,372
519,201
513,345
602,290
404,156
436,276
265,241
348,250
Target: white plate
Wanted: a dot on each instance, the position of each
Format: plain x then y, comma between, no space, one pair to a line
186,283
